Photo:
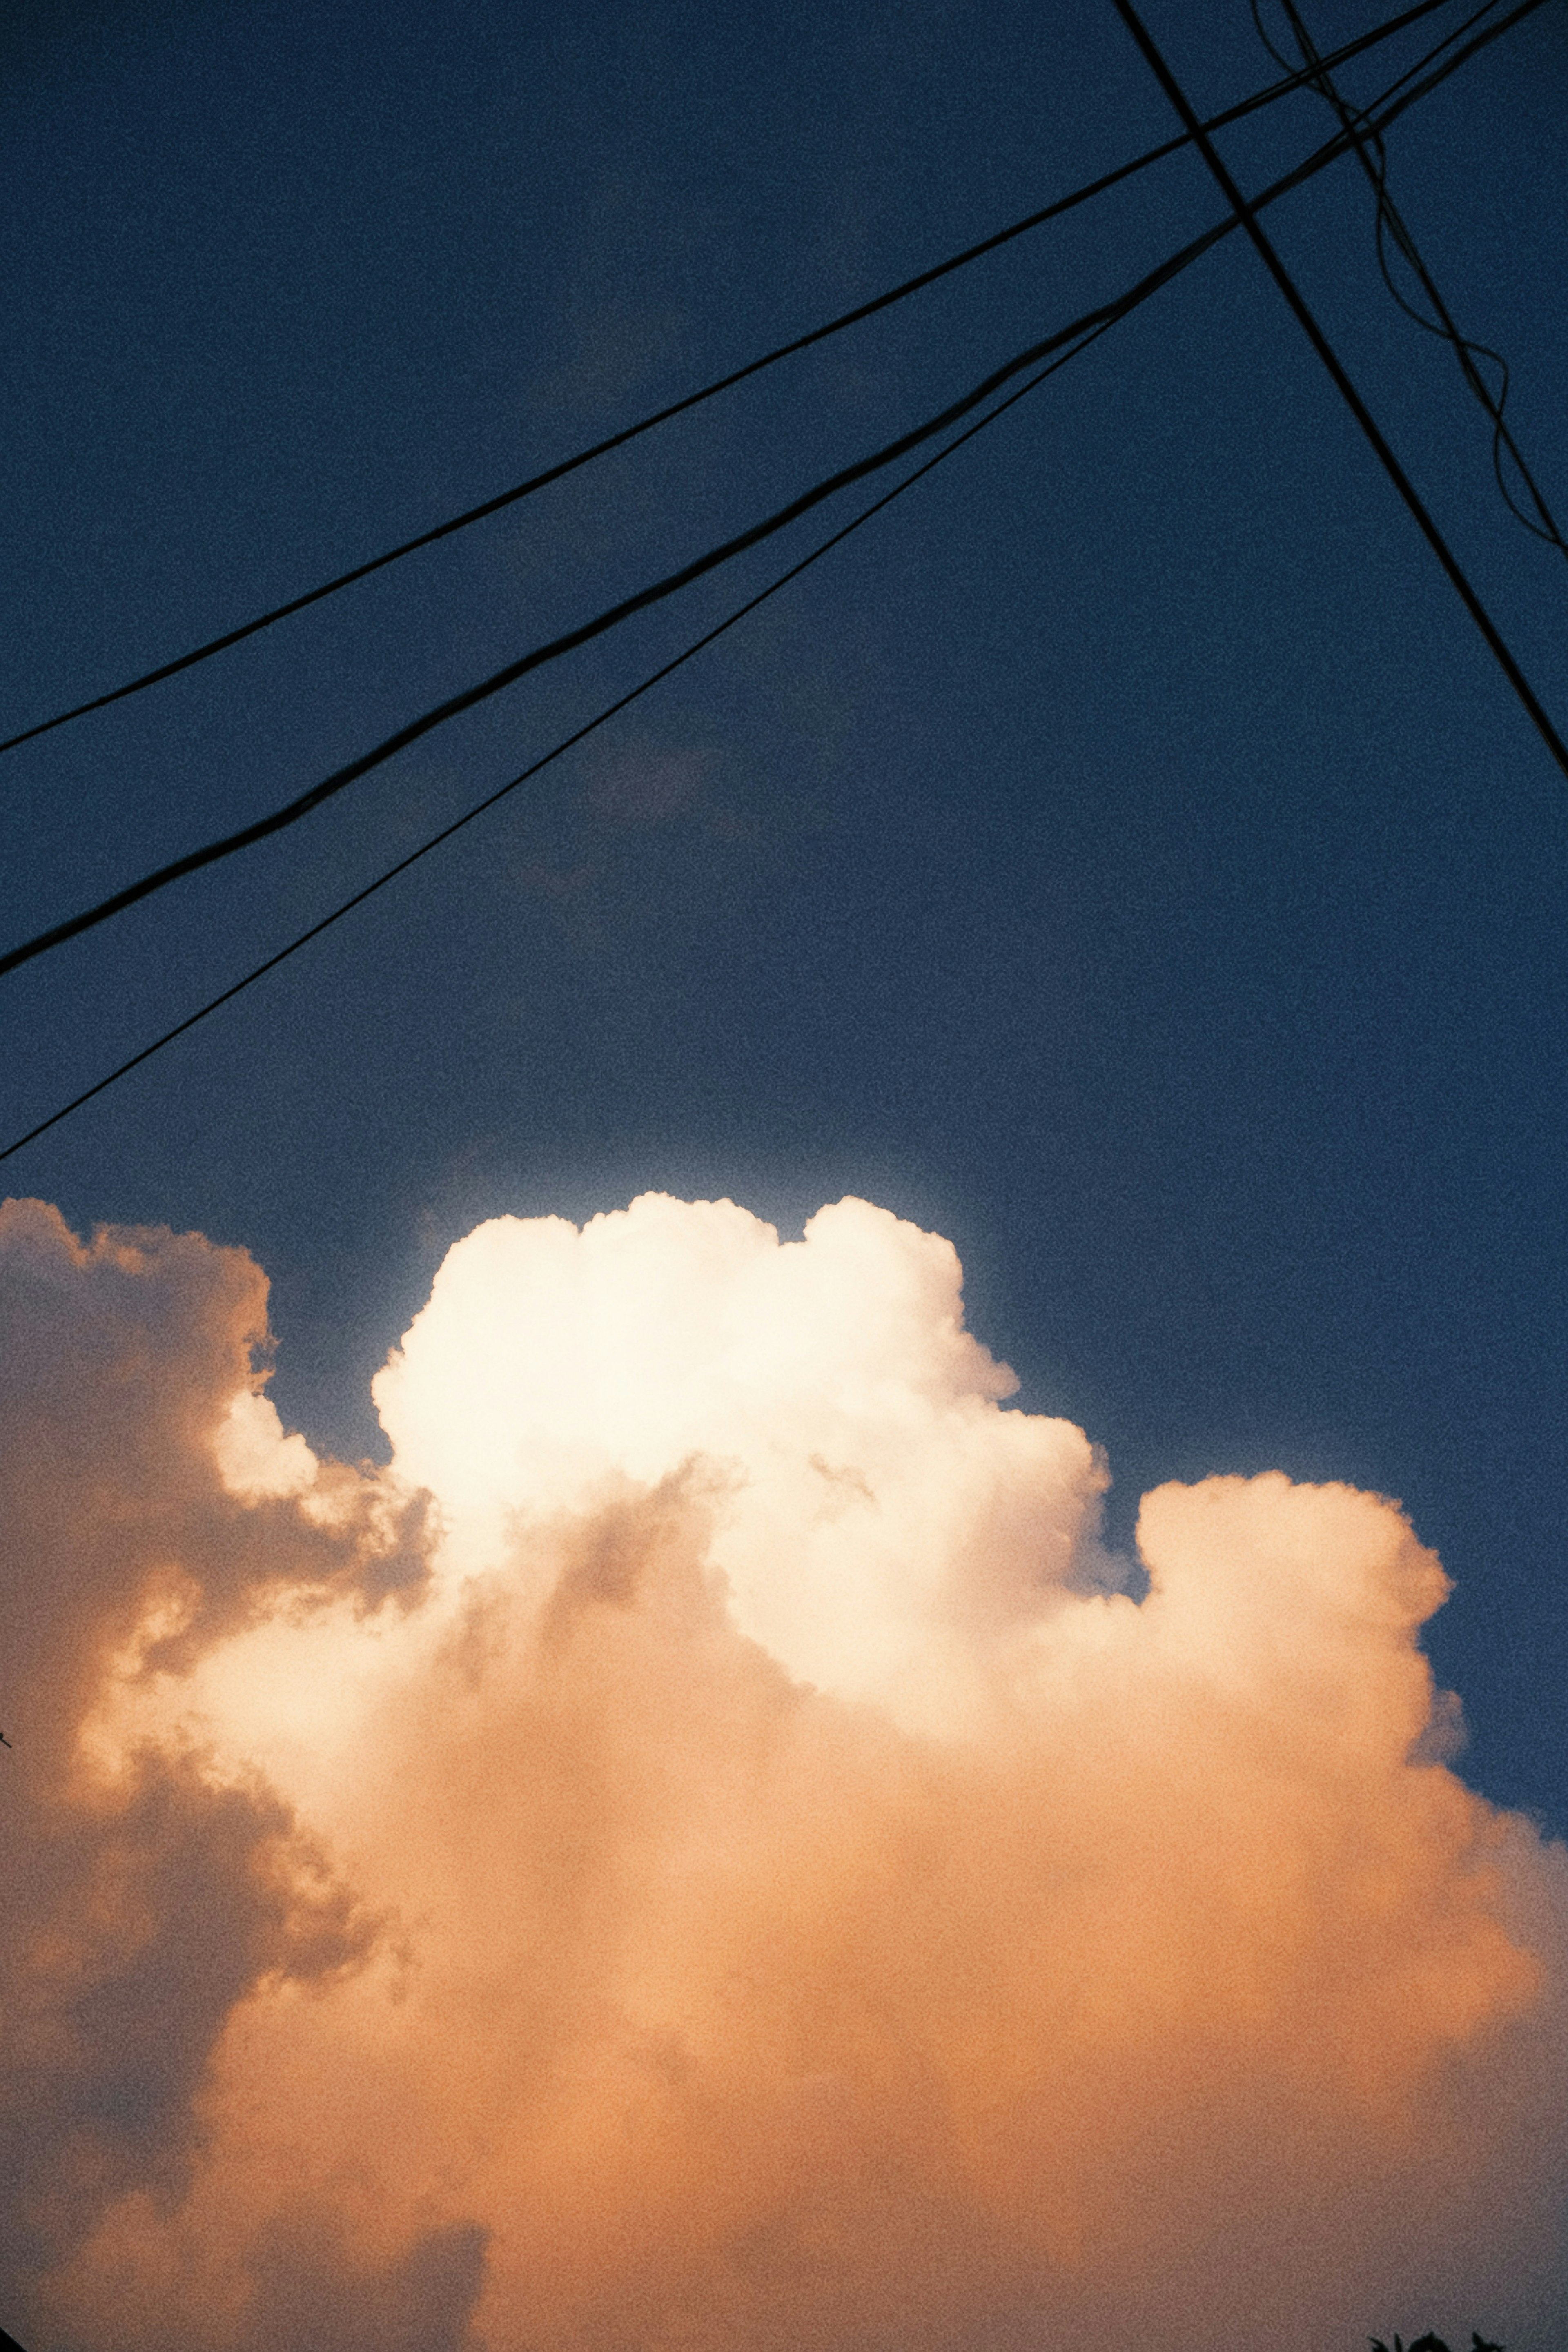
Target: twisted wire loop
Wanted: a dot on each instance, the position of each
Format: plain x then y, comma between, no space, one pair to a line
1392,229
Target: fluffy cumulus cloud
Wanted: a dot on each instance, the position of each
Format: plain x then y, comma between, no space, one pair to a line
707,1850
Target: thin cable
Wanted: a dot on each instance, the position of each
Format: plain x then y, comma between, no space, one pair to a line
1373,157
305,803
1389,112
1390,107
304,937
294,811
1246,214
1295,79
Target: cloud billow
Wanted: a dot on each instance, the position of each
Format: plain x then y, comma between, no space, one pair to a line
700,1852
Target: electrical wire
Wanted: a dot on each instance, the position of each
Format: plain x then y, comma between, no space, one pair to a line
1389,109
415,730
569,743
1391,224
1295,79
294,811
1246,214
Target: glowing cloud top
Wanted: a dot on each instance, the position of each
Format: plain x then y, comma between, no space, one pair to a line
701,1851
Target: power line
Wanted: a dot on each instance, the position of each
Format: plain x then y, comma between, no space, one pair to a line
657,592
293,812
1246,214
1373,158
569,743
1390,109
1293,81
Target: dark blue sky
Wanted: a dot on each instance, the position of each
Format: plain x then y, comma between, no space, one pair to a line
1123,857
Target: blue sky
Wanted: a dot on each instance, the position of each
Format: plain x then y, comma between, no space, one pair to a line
1123,857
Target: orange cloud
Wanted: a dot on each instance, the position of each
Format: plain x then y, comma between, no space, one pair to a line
755,1881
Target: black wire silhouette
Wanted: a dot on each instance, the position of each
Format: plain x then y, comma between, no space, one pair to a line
1296,78
1246,214
294,811
1414,84
569,743
1391,225
1430,2343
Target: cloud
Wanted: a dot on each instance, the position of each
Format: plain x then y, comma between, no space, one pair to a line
754,1880
142,1902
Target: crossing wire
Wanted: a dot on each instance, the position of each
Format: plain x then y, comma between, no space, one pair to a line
1389,112
1292,81
294,811
1246,214
1392,225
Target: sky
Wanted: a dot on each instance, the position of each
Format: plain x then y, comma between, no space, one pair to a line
1123,860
